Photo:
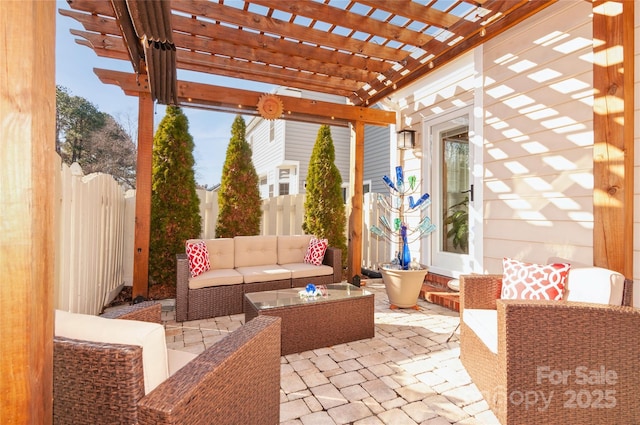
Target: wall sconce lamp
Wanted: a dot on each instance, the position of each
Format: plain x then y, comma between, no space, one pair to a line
406,139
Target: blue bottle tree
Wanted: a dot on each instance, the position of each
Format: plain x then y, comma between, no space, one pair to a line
399,232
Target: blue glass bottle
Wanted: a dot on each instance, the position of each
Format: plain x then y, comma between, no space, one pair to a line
406,254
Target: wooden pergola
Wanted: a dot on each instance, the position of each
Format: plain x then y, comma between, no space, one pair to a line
363,50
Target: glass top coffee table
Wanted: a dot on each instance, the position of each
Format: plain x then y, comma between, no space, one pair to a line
343,314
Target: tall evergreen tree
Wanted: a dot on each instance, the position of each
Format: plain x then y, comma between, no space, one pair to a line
324,212
240,207
175,207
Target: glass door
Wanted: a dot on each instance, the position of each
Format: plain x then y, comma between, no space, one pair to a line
453,245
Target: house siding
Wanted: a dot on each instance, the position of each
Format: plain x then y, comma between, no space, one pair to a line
533,88
377,156
265,153
538,139
300,138
292,145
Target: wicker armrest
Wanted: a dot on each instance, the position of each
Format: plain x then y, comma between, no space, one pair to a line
572,354
148,311
182,287
235,381
333,258
480,291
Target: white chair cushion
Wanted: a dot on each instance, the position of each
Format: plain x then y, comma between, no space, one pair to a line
484,323
149,336
594,285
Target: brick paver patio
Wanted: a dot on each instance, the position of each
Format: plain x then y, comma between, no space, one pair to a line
407,374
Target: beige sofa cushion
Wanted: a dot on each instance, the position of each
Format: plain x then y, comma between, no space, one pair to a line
484,323
292,249
266,273
221,253
255,251
216,277
149,336
300,270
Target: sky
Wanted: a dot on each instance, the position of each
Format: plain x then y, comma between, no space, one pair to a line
211,131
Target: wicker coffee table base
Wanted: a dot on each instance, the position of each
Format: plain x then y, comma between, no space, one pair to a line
320,324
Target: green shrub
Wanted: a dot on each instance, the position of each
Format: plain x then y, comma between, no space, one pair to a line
175,207
239,203
324,212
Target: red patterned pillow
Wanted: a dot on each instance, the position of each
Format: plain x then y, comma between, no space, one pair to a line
198,258
316,250
527,281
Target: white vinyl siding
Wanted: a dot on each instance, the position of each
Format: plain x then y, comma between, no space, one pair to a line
301,138
538,158
376,156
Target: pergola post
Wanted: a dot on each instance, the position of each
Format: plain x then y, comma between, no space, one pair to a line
354,256
613,132
27,193
143,196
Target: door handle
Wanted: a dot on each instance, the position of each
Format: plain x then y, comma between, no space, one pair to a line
470,192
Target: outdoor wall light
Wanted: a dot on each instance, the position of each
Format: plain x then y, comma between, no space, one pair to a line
406,139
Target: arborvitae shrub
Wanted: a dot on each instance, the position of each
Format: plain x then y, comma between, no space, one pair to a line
239,203
175,207
324,211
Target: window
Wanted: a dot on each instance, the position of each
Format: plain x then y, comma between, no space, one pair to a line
270,191
283,189
263,186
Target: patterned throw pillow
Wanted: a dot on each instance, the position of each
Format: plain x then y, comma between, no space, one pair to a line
198,258
315,251
527,281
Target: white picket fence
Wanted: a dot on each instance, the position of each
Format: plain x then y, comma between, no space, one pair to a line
95,235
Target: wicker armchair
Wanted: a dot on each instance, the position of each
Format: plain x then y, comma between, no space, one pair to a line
557,362
235,381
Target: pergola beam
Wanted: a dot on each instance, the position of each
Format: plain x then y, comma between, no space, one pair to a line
228,99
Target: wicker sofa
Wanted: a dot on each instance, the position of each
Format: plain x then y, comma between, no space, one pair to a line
554,362
248,264
237,380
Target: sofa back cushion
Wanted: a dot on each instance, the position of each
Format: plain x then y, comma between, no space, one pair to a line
594,285
149,336
221,253
256,250
291,249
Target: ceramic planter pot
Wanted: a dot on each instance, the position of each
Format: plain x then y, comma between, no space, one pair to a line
403,286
